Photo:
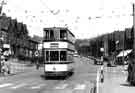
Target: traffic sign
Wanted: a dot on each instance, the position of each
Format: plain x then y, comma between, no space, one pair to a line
36,53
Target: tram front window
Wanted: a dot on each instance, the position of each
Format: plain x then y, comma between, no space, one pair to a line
54,55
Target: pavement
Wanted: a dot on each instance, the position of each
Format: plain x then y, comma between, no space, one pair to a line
115,81
18,67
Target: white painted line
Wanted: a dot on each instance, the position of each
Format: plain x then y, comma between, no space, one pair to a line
38,86
61,86
5,85
80,87
97,81
19,85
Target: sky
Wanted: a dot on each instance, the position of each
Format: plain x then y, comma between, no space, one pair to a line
85,18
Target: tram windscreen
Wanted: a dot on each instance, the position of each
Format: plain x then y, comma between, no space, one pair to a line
54,55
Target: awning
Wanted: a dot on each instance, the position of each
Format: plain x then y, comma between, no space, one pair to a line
124,53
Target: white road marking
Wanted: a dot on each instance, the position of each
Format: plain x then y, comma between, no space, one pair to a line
80,87
38,86
97,81
19,85
5,85
61,86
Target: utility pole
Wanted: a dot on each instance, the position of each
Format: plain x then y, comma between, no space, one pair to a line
106,46
134,27
123,47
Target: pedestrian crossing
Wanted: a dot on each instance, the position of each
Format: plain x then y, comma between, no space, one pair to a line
40,85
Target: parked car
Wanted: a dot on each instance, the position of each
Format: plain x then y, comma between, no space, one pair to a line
98,62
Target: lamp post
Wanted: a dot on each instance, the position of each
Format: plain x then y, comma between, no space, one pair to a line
134,28
116,47
123,47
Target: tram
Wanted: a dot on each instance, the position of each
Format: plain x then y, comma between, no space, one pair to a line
58,51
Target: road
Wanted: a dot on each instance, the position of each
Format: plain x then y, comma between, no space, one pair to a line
32,81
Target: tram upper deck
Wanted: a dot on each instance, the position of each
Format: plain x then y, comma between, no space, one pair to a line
58,34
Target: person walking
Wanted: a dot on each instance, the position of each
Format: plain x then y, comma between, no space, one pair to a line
131,69
37,64
37,59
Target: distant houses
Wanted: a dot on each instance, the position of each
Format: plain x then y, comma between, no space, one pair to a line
15,35
112,44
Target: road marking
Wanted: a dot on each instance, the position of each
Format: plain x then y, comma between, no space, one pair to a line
5,85
80,87
38,86
19,85
61,86
97,81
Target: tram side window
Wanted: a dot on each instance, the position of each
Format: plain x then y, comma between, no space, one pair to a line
63,55
54,55
63,34
47,55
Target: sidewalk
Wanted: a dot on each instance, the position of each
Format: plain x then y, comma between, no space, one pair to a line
115,82
18,67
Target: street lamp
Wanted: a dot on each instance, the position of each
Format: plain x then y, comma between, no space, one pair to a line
116,47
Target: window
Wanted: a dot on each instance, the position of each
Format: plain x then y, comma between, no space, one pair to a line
56,34
51,35
47,56
47,34
54,55
63,56
63,34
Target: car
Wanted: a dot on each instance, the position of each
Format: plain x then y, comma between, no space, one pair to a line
98,62
110,65
75,55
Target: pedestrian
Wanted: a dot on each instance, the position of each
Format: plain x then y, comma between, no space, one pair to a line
131,68
37,59
3,66
37,65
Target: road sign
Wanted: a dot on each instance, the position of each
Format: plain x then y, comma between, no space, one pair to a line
36,53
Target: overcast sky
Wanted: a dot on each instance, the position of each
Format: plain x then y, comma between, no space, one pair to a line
85,18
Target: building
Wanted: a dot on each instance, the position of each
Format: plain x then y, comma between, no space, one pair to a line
14,35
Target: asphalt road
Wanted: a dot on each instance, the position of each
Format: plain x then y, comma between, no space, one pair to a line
33,81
